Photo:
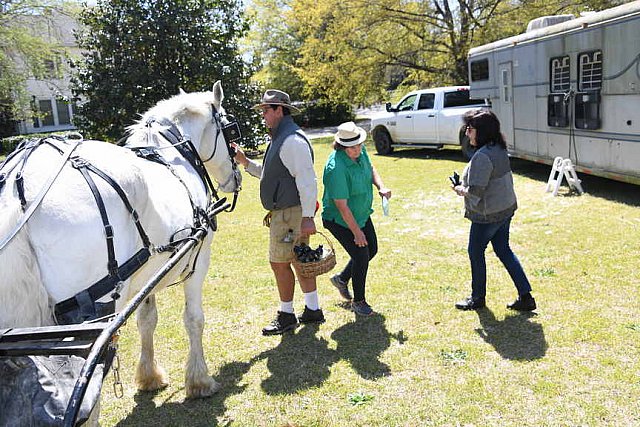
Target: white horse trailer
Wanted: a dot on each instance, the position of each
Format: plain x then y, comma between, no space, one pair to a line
571,90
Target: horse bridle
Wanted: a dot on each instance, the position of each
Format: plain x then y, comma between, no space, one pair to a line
230,133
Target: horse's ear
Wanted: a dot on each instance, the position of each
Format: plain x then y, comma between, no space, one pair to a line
181,91
218,94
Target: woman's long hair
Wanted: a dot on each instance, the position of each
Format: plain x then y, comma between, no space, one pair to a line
487,127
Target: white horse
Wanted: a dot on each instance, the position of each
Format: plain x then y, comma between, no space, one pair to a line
62,248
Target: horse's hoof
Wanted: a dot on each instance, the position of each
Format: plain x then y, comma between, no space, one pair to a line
202,389
156,379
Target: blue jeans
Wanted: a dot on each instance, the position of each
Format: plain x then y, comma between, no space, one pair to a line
498,234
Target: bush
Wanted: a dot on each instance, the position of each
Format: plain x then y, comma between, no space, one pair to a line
322,113
7,145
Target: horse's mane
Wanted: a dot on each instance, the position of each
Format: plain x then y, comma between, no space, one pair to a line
178,106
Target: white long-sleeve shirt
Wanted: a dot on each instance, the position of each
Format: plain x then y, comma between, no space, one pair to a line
295,154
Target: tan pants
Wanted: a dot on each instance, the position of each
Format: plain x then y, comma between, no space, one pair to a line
283,231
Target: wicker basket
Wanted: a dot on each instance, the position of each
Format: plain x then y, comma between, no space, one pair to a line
316,268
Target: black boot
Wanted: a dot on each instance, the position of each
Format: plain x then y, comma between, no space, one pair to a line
470,304
523,303
282,323
311,316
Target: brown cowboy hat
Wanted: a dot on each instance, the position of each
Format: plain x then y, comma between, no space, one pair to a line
276,97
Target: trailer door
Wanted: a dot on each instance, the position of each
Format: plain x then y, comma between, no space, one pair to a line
505,111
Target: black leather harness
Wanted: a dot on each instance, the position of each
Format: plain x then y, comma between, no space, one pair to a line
84,306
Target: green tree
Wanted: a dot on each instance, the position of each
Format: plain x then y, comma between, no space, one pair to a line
138,52
352,49
25,50
273,47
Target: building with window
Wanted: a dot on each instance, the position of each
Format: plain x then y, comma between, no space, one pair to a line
50,94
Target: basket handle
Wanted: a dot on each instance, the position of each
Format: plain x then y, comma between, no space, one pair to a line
297,240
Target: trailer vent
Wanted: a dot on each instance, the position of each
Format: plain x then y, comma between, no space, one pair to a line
547,21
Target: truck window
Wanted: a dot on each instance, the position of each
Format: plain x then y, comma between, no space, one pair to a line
479,70
426,101
459,98
560,78
407,103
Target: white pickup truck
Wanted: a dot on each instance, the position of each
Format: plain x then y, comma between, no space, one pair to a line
428,118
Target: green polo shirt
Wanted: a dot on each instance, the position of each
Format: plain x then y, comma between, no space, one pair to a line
345,179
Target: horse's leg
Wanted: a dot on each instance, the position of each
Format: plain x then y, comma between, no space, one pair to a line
149,376
198,383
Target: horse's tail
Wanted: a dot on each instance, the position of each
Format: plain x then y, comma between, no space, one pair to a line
23,299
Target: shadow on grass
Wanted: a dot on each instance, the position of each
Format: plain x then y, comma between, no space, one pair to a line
300,361
361,343
515,337
193,412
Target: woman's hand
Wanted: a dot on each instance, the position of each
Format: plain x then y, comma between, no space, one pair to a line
385,192
360,239
460,190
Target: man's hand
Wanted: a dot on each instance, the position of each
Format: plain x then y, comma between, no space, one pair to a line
240,158
307,227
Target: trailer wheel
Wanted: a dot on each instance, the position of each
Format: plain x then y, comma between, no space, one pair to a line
382,141
467,149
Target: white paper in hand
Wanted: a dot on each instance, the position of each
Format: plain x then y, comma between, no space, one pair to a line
385,206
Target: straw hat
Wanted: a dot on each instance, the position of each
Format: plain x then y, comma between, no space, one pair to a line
349,134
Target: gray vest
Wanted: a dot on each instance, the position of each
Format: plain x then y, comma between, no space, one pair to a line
277,187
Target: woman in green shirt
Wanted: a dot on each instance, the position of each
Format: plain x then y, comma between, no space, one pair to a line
346,202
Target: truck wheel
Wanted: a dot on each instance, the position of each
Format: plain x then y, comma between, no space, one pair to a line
467,149
383,142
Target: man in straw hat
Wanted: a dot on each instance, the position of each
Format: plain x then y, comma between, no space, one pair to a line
288,190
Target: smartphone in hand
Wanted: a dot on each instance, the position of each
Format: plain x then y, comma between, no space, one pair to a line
455,179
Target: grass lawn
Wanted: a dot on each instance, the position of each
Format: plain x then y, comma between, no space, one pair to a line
420,362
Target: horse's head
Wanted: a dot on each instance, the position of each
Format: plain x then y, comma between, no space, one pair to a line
215,143
203,120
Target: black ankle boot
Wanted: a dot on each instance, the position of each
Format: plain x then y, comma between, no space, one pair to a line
524,303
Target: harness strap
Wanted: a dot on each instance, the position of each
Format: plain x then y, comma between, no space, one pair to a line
38,199
104,285
151,154
185,147
112,263
125,200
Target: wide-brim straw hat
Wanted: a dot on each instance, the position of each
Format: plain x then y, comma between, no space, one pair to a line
349,134
276,97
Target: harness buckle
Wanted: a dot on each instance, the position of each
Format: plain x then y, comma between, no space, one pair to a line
116,291
108,230
78,162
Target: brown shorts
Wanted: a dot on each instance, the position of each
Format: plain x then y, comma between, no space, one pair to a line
283,231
